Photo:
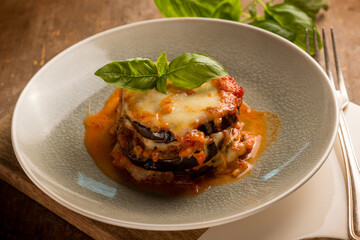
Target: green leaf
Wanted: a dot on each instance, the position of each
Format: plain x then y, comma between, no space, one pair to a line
310,7
274,27
182,8
191,70
289,19
162,64
209,4
161,84
137,74
228,9
223,9
253,12
296,21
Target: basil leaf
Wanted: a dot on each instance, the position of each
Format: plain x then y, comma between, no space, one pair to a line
161,84
274,27
228,9
162,64
223,9
182,8
253,12
290,19
310,7
296,21
138,74
209,4
191,70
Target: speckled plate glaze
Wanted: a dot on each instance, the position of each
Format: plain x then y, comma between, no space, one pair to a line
278,77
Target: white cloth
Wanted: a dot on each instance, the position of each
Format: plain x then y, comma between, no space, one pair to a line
317,209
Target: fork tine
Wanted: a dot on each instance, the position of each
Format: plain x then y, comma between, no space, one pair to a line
327,58
326,54
316,46
307,40
339,75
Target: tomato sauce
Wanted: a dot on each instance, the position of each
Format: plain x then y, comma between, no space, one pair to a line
100,138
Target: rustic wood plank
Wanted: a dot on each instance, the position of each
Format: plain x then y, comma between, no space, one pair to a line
344,17
15,228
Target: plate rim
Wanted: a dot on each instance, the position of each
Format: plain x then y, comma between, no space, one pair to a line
167,227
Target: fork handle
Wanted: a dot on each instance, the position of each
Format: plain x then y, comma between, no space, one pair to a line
353,179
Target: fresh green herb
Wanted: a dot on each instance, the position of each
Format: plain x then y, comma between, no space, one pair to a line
136,74
253,13
189,71
180,8
162,64
228,9
161,84
288,19
310,7
225,9
274,27
294,20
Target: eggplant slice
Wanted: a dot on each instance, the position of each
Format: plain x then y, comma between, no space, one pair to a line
159,137
167,137
181,166
210,127
174,164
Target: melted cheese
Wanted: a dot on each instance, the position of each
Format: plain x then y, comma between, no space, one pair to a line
179,111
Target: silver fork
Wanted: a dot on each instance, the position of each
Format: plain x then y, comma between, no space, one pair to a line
351,164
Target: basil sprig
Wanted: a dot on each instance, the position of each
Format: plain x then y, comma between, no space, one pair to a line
288,19
189,71
294,20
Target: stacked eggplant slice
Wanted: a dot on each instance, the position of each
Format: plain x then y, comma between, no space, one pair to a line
136,133
154,144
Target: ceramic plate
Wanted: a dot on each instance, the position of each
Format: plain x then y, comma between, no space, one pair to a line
278,77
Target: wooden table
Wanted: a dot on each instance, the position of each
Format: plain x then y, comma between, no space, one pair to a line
31,33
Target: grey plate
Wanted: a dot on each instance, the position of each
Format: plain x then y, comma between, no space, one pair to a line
278,77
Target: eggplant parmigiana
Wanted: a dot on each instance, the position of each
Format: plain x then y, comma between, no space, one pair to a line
181,126
184,133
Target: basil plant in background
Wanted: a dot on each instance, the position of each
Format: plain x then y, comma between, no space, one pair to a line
288,19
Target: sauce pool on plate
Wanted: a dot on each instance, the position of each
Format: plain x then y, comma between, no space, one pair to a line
100,138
